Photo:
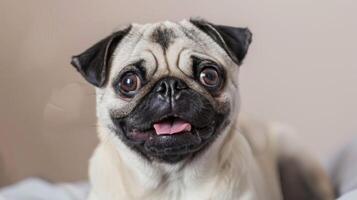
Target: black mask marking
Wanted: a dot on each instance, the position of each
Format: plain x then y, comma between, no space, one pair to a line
170,99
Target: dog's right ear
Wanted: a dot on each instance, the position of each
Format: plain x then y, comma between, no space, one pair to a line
93,63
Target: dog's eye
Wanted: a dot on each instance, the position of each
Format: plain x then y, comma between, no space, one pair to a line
129,84
209,74
209,77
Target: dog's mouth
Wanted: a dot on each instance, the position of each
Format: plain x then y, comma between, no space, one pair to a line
168,126
170,138
172,126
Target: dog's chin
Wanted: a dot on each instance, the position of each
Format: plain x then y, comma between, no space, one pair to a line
168,148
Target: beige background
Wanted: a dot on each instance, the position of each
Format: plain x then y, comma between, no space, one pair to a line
301,69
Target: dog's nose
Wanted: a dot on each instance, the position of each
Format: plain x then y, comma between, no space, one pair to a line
170,88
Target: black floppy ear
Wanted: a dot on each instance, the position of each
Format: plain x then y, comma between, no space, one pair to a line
234,40
93,63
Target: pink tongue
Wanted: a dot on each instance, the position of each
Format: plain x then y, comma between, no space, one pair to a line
174,127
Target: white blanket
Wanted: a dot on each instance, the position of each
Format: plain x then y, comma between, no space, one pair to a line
37,189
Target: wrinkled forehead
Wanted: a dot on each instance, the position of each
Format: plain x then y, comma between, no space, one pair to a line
166,45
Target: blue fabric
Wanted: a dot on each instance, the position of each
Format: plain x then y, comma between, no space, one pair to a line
343,169
349,196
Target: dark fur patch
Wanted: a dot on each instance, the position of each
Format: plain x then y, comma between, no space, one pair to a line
94,63
163,36
234,40
297,182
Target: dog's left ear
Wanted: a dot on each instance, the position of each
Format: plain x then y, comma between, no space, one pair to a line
93,63
235,41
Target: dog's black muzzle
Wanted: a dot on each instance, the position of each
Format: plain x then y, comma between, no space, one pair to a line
169,100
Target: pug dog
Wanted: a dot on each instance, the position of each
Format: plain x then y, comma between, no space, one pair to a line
167,97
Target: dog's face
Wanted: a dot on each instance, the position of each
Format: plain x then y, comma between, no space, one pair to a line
167,90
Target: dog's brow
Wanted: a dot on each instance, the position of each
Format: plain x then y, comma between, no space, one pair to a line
134,65
163,36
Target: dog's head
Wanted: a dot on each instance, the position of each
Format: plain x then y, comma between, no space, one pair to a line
167,90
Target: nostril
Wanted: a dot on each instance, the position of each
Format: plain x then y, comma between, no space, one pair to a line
161,88
179,85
